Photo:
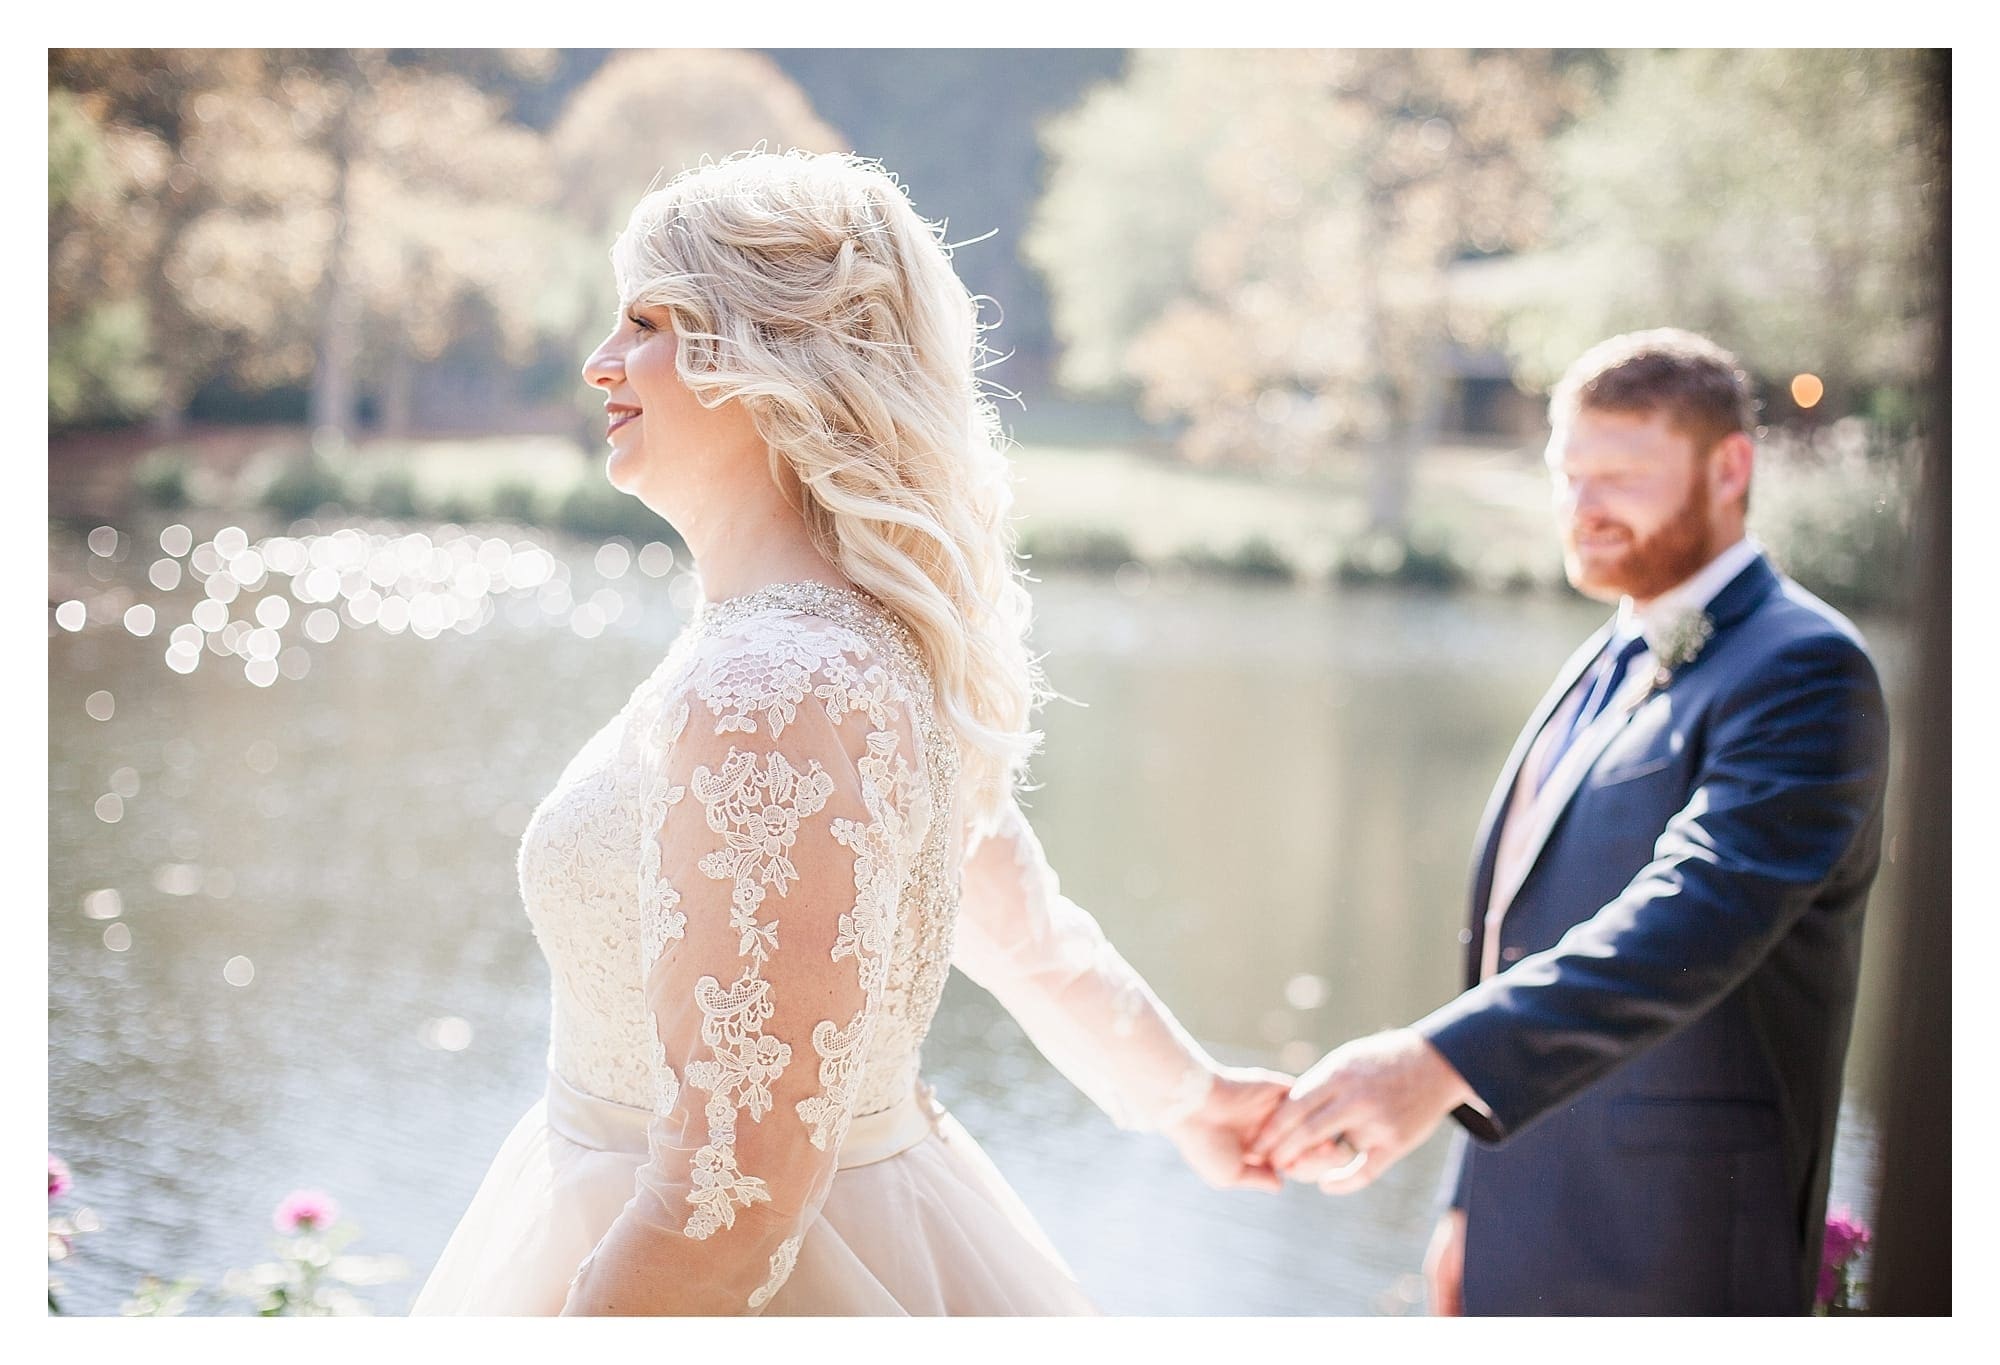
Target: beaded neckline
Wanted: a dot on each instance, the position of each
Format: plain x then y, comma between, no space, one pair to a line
849,607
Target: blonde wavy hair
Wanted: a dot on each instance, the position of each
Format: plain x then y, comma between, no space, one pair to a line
806,287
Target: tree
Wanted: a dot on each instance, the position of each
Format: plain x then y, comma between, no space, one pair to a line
322,215
98,364
1259,241
126,229
1770,199
646,115
439,202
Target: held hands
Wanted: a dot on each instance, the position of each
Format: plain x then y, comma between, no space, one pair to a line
1212,1139
1359,1110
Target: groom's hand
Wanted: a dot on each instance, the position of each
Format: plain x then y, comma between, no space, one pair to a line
1360,1110
1212,1139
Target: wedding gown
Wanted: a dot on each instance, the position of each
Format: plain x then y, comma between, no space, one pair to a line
750,886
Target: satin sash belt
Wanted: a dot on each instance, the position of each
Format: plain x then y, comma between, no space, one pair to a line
608,1126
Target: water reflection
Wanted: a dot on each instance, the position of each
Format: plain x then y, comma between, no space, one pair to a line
297,957
239,594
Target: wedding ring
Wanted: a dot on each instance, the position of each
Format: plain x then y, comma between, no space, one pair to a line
1341,1173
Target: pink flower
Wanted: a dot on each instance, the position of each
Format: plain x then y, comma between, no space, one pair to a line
1846,1237
58,1177
305,1211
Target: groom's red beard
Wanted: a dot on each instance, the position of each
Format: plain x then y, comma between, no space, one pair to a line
1648,567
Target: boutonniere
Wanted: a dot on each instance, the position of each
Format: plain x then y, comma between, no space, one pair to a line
1680,645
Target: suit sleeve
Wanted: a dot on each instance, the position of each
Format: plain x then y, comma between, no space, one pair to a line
1788,793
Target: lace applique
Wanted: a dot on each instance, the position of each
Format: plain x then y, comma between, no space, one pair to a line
782,1261
659,919
757,811
865,932
827,1114
718,1188
747,1060
849,689
738,1077
774,676
757,814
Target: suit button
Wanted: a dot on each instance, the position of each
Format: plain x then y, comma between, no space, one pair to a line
1511,954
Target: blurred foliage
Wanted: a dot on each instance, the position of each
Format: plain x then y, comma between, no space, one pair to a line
1836,514
162,480
593,507
1255,557
1276,279
1052,545
343,218
645,116
300,485
1774,200
960,132
1282,256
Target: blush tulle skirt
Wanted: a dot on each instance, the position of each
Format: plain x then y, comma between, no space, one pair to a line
918,1222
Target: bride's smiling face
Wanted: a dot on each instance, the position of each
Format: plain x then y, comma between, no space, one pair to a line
661,435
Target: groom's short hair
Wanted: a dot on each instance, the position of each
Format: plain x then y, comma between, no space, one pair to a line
1700,388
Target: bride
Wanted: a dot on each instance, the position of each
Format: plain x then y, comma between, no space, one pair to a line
751,884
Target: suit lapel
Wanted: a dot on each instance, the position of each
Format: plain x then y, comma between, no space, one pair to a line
1503,790
1554,797
1737,599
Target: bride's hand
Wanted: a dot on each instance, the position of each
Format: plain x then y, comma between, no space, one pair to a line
1212,1138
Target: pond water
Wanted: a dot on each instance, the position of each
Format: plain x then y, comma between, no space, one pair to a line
286,948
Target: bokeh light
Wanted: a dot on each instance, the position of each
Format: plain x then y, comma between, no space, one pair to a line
139,619
239,971
1807,390
103,904
177,879
71,615
117,937
612,560
99,705
448,1034
1305,991
656,559
176,540
322,625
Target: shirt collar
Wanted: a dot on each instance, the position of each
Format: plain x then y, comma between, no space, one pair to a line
1691,594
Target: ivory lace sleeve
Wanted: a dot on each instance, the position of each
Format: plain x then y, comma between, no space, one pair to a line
767,919
1080,1002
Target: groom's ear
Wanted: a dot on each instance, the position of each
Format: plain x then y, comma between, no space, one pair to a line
1730,463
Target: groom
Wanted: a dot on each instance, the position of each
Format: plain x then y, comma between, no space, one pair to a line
1665,924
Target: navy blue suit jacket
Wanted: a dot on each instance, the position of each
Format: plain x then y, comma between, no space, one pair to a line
1662,1049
